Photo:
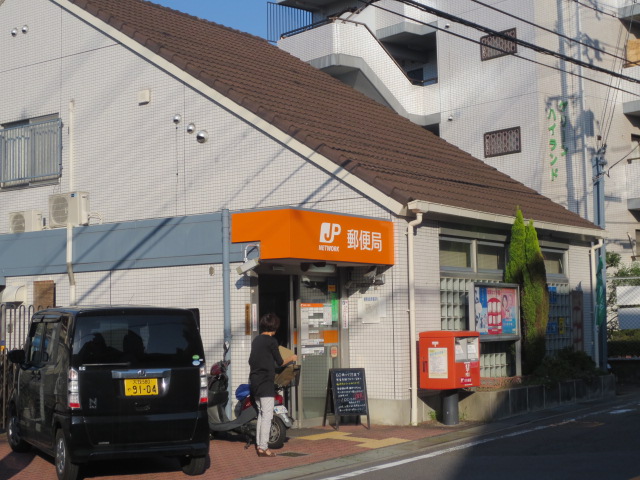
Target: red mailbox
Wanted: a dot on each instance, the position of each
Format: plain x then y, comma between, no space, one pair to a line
449,360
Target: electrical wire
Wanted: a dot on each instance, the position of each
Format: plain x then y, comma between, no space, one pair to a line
636,94
548,30
608,122
595,9
632,150
531,46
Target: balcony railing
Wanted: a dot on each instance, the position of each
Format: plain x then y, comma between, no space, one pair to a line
411,76
282,19
30,153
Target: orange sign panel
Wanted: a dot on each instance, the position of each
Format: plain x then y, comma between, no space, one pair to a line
312,235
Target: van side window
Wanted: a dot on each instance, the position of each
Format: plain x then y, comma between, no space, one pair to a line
41,346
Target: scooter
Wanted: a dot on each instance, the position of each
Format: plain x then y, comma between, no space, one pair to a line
245,411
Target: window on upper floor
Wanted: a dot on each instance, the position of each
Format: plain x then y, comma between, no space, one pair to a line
30,151
502,142
494,46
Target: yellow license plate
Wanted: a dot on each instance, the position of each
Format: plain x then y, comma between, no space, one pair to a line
140,386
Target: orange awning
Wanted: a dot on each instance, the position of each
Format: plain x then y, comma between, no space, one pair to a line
291,233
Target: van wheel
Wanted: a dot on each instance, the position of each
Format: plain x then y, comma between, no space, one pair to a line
64,468
16,442
195,465
277,434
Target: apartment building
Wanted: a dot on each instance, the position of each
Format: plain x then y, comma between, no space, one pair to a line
546,92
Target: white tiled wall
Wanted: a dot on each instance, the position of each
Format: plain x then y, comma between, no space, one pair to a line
136,164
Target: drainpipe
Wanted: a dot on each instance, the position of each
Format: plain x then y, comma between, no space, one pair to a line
594,306
72,278
412,319
70,274
226,292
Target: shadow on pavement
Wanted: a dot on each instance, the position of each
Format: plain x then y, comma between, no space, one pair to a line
13,463
131,468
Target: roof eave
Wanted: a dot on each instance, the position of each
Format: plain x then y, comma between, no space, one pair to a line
436,209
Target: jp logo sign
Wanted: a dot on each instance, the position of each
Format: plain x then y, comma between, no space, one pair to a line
329,231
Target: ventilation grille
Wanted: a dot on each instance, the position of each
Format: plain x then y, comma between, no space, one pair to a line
26,221
69,208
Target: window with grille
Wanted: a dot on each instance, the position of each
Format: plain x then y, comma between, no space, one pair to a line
502,142
494,46
30,151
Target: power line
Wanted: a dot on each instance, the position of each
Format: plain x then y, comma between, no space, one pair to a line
531,46
572,40
595,9
636,94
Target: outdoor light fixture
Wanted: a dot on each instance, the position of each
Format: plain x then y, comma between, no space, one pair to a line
247,266
202,136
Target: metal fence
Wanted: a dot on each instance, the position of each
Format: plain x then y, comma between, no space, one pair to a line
623,303
14,322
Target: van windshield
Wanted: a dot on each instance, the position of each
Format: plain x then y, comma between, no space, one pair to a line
137,339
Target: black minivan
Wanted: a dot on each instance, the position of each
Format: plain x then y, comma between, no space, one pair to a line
110,382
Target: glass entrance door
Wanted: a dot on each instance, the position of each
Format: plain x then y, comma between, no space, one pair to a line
318,337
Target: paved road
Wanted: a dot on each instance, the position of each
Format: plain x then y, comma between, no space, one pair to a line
595,443
583,440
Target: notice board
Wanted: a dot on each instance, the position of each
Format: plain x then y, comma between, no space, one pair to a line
346,394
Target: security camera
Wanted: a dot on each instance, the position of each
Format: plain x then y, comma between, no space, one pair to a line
247,266
371,274
191,128
177,118
202,136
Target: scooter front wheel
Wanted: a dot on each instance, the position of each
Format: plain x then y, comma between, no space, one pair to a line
277,434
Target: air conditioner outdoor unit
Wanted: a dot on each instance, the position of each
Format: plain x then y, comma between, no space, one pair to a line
26,221
69,208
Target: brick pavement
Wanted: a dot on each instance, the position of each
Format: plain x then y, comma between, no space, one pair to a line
229,459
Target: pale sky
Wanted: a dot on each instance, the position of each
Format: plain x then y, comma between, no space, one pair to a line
246,15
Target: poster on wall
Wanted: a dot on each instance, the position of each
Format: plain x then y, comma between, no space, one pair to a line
495,309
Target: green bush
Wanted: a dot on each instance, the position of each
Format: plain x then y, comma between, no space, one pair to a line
565,365
624,343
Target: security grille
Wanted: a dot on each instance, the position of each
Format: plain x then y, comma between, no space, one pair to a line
559,328
30,153
494,46
502,142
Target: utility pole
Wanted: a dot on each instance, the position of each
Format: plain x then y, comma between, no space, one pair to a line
600,314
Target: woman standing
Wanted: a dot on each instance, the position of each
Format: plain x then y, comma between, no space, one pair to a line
263,360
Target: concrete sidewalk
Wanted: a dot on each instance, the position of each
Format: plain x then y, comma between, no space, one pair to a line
229,458
307,451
